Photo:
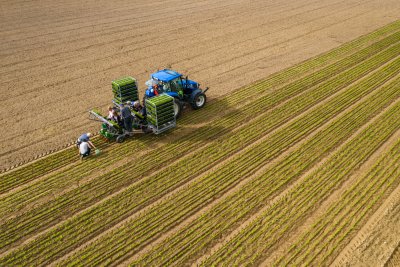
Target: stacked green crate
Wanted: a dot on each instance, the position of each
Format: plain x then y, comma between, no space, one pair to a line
160,110
125,89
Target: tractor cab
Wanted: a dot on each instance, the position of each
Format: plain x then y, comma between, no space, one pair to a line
165,81
174,84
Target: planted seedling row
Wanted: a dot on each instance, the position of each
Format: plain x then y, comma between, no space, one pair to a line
306,196
223,218
367,189
207,186
32,171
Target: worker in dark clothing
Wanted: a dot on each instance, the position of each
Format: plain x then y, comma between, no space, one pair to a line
143,108
126,116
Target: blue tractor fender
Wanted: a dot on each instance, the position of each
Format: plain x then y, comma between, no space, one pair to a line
194,93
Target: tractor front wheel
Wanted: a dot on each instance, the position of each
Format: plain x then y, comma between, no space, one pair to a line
177,107
199,101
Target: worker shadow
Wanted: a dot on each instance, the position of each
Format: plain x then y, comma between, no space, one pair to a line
214,109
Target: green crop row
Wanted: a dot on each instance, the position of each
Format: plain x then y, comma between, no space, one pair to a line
359,214
109,185
327,72
200,191
125,173
342,216
303,199
58,181
332,57
295,70
32,171
96,188
252,196
84,169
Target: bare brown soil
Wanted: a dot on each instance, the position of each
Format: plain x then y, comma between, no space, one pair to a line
58,59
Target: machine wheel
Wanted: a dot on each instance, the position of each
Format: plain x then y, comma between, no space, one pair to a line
147,130
120,138
177,107
199,101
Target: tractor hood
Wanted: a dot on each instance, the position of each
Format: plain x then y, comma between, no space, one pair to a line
190,84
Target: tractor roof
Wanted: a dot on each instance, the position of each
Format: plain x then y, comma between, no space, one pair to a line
165,75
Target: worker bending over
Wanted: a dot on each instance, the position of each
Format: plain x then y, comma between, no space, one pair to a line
84,138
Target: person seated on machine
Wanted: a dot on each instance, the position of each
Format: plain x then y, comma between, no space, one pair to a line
136,106
139,110
114,116
110,112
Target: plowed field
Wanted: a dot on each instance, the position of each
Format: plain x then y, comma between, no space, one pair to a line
58,58
301,167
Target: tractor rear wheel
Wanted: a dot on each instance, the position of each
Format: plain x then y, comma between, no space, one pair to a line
199,101
177,108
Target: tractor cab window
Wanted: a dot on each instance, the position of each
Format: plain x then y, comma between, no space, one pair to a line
176,85
173,85
166,87
151,83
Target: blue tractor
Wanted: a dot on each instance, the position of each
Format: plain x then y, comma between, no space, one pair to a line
183,91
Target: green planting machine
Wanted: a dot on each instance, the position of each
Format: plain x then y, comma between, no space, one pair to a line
157,116
167,93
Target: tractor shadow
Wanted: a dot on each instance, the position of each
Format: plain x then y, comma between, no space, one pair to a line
218,107
201,120
170,137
